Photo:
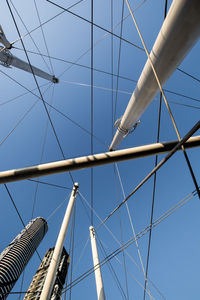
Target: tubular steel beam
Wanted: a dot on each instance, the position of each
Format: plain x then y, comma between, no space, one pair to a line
53,267
93,160
97,268
179,33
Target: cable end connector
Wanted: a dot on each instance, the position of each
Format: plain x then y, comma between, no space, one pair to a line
55,80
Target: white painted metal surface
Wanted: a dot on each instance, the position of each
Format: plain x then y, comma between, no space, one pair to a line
51,275
178,34
92,160
97,272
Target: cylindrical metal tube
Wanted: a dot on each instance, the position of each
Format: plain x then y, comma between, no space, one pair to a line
51,275
178,34
97,270
92,160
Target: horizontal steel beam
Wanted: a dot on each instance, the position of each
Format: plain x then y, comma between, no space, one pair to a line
93,160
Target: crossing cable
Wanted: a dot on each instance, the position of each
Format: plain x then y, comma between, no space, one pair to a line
41,156
19,122
88,50
19,215
112,271
115,35
71,251
92,107
189,75
115,75
163,217
80,65
45,42
185,105
24,94
84,84
118,242
54,108
94,24
181,95
57,208
74,122
130,93
30,37
120,76
121,234
180,70
44,23
119,58
96,87
50,184
107,228
153,196
166,102
44,104
71,120
130,273
139,235
155,169
112,68
134,234
155,177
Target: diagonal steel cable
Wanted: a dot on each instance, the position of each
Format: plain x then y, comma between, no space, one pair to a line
154,179
155,169
166,102
44,38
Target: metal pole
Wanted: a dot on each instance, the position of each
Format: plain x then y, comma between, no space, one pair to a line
93,160
179,33
97,272
7,59
51,275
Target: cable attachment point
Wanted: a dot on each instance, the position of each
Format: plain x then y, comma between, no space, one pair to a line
134,126
125,131
54,79
6,57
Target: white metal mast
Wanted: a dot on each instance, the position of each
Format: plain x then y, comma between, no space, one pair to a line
51,275
97,272
178,34
7,59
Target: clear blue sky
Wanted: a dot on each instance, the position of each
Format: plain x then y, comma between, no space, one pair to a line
174,257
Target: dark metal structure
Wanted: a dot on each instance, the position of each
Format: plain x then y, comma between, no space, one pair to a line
36,286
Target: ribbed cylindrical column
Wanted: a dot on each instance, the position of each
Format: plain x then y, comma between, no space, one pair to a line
16,256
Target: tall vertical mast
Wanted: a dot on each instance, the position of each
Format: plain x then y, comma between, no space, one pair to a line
51,275
97,272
